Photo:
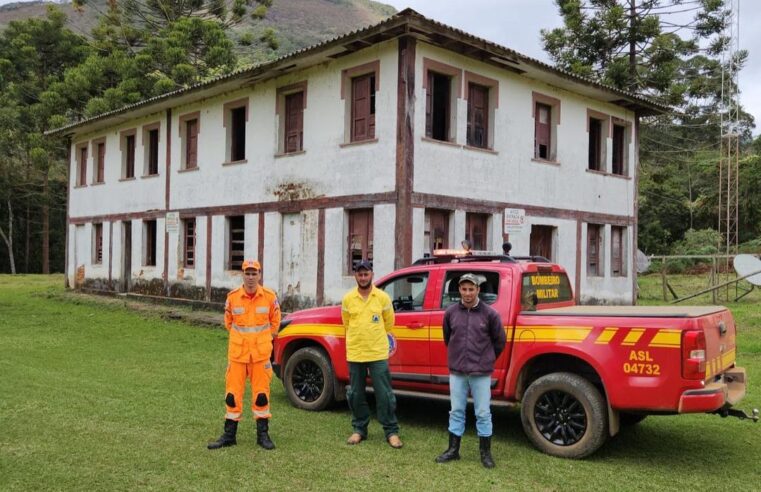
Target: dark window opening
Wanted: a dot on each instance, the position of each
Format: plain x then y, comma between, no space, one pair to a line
129,165
619,133
236,241
100,168
189,243
238,134
150,242
294,122
360,240
153,152
542,131
363,108
82,166
478,116
595,144
617,251
437,106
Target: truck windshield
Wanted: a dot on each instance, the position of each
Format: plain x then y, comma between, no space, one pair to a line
544,288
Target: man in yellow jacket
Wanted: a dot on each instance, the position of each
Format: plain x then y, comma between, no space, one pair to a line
252,318
368,317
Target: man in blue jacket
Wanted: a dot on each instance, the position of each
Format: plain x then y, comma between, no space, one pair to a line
474,337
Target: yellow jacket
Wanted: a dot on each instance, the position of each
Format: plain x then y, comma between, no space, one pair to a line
367,323
252,321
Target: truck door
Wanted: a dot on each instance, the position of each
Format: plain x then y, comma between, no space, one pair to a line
409,359
495,291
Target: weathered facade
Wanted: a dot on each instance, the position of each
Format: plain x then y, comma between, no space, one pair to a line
387,142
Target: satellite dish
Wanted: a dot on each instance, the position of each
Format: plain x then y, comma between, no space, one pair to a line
643,262
746,265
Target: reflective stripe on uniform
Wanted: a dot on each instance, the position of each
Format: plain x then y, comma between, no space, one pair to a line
232,415
251,329
262,413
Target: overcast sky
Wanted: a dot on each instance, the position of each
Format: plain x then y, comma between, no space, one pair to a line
516,24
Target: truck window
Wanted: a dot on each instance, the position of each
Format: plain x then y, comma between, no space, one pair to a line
408,292
544,288
489,287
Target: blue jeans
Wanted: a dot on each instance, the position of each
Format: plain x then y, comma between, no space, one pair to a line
480,390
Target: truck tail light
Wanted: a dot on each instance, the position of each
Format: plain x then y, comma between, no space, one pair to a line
693,354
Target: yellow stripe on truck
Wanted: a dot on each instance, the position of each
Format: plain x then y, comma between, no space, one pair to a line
667,338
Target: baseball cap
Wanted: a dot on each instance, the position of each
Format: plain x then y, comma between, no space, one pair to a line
250,264
469,277
363,264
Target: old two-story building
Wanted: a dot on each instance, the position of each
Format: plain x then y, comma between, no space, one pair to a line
384,143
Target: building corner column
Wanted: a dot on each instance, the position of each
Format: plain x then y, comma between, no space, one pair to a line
405,150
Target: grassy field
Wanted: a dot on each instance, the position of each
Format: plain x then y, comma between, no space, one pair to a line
97,397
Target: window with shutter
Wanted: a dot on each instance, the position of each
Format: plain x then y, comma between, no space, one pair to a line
153,152
363,108
436,234
437,106
542,131
294,122
97,243
236,226
82,180
129,156
360,237
478,116
540,241
475,230
593,250
191,144
100,165
617,251
149,254
595,144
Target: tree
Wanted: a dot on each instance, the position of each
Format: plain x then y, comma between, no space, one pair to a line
34,54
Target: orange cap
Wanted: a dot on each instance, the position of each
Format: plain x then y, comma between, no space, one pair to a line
250,264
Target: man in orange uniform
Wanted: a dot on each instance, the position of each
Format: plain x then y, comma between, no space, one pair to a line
252,317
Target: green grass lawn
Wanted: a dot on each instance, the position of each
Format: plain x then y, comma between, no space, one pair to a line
101,397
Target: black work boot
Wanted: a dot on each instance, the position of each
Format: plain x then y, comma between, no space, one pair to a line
262,434
452,452
228,436
485,447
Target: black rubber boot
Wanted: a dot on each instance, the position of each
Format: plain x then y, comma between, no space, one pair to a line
262,434
228,436
452,452
485,447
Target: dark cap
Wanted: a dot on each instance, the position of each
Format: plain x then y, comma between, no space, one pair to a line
469,277
363,264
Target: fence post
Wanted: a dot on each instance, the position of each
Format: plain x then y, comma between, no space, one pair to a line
713,279
663,279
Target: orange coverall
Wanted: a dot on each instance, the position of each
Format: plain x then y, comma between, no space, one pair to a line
252,321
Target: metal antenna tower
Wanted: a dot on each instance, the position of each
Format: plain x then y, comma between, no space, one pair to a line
730,145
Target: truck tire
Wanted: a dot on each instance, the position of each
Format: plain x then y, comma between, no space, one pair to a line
564,415
309,379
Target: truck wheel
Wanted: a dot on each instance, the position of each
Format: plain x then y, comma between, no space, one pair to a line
308,379
564,415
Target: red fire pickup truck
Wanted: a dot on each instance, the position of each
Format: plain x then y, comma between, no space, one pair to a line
579,372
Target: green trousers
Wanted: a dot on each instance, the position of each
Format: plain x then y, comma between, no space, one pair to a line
385,401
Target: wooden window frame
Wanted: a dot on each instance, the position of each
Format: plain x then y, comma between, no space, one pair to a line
618,262
543,230
283,119
627,137
150,242
128,162
602,140
594,257
365,236
555,106
455,92
492,105
347,85
231,263
81,177
471,219
189,225
147,148
232,133
97,252
184,119
445,243
99,161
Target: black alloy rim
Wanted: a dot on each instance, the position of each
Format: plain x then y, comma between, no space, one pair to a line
560,418
307,381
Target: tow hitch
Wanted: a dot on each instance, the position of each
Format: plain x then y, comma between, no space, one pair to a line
733,412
